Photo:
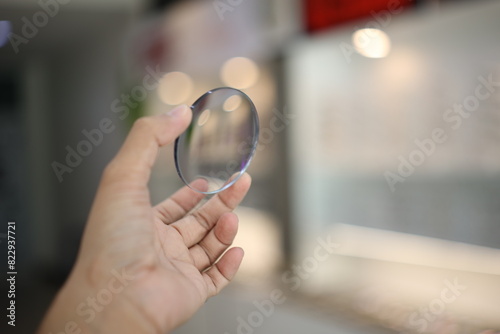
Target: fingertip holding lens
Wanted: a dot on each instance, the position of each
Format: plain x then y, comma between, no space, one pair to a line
200,185
220,141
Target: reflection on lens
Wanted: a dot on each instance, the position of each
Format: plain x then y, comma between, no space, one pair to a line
232,103
204,116
219,143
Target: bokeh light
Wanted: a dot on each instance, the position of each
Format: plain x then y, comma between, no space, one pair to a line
371,43
239,72
175,88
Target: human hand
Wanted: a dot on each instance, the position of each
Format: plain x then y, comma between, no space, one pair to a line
165,255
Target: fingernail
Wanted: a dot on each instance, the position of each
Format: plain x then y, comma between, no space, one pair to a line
178,111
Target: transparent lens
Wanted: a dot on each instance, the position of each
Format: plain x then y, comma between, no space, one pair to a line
220,141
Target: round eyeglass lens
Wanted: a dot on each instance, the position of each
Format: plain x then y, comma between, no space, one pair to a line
220,142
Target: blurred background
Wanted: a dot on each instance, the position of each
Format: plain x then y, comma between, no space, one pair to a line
375,206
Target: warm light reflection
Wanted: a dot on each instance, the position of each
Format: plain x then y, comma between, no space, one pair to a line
232,103
239,72
175,88
259,236
204,116
397,247
393,276
371,43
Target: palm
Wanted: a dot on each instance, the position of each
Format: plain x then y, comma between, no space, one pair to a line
186,247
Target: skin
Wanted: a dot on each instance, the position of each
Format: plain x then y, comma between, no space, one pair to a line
167,252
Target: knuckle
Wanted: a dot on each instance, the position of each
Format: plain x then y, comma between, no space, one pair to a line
202,219
165,214
228,200
209,256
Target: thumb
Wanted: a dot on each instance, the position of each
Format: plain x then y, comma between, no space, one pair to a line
136,157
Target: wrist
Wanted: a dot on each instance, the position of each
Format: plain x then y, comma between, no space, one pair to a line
80,308
62,315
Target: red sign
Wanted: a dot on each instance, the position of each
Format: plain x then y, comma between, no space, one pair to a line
322,14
